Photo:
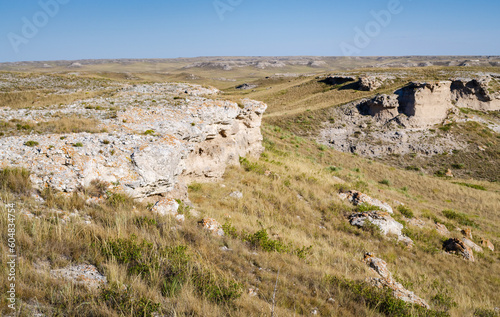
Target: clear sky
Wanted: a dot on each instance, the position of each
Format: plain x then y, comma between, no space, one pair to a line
81,29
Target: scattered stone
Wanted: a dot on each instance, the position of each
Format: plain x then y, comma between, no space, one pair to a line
180,218
379,266
87,275
441,229
236,195
166,206
467,232
213,226
314,311
358,198
331,300
253,291
487,244
449,173
457,246
246,86
383,221
472,245
370,83
416,222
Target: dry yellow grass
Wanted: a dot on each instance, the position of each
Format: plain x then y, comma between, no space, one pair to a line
317,217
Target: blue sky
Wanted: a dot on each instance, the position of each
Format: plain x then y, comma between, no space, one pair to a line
81,29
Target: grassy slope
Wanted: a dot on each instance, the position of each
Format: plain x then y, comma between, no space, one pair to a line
299,167
297,204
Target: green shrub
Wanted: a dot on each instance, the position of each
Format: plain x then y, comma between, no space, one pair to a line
251,166
461,218
31,143
78,144
478,187
413,168
123,300
195,187
261,239
380,299
481,312
145,221
149,132
119,200
364,207
230,230
405,211
443,301
216,289
334,168
385,182
15,180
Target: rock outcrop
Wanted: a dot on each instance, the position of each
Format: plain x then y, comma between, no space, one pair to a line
160,137
425,104
475,94
381,219
358,198
371,83
458,247
386,280
382,107
338,79
84,274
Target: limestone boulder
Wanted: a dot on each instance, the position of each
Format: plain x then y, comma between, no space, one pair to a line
385,280
358,198
487,244
458,247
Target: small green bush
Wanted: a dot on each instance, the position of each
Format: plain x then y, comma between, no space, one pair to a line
478,187
149,132
122,299
405,211
78,144
385,182
31,143
461,218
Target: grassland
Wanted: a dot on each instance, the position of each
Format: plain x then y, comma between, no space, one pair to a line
290,221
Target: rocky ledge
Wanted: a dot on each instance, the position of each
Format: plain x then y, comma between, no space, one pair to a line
157,139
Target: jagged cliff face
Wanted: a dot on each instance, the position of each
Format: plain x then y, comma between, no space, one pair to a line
475,94
425,103
159,138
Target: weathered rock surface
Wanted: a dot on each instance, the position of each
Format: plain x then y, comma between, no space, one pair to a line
152,145
338,79
467,232
441,229
379,266
87,275
213,226
475,94
487,244
166,206
381,219
425,104
371,83
358,198
382,107
472,245
246,86
457,246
